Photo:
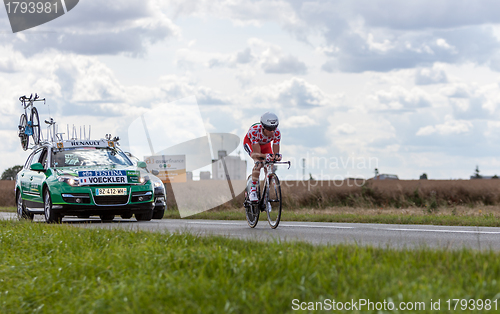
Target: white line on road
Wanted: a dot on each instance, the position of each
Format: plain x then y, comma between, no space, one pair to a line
447,231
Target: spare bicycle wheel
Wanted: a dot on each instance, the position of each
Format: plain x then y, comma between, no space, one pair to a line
35,125
272,201
23,122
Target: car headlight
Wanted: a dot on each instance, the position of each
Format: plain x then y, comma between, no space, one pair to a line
70,180
158,184
143,180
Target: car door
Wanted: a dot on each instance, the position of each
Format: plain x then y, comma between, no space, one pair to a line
31,180
39,177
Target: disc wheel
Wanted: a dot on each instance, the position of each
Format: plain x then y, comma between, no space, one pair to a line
36,126
272,201
23,122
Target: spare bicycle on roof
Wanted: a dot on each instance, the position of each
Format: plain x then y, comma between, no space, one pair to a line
29,127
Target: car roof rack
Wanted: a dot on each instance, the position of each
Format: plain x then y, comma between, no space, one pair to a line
77,139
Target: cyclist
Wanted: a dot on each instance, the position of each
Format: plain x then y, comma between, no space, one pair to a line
257,144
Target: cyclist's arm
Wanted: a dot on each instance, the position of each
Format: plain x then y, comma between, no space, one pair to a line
276,148
276,151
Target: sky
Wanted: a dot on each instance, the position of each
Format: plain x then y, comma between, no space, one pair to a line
408,87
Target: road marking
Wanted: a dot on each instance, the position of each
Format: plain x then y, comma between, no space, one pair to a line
214,223
316,226
444,231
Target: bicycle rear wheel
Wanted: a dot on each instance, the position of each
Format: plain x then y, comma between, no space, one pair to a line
23,122
273,201
36,125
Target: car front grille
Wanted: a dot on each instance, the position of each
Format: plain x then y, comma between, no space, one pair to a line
111,200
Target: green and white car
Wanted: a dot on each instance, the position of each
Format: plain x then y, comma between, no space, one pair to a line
84,178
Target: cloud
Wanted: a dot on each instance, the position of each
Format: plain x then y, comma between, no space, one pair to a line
472,101
298,122
269,57
99,28
295,92
450,127
428,76
283,65
399,99
345,129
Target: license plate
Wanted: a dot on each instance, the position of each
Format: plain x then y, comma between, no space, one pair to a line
111,191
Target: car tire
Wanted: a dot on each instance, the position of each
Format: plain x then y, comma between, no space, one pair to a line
50,215
107,217
22,213
159,212
144,216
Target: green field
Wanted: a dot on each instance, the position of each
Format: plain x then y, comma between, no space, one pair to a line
62,269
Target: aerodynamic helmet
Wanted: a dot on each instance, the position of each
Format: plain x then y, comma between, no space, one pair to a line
269,121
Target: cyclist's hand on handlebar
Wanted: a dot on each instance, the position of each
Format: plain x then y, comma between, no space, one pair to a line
277,157
269,157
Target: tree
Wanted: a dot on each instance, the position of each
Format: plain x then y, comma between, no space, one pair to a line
10,173
476,173
423,176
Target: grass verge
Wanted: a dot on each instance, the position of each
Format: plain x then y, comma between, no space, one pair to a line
60,269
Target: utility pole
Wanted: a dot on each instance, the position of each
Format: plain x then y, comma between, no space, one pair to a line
303,168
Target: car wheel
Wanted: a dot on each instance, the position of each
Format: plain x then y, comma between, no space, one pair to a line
159,211
144,216
107,217
22,213
50,215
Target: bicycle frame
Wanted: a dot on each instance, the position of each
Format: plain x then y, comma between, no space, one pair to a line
268,170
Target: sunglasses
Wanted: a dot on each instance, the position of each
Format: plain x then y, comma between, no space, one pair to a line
270,129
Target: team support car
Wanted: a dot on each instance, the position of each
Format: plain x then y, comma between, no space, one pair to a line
84,178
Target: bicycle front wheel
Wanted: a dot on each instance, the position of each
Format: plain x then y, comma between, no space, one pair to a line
252,212
36,126
273,201
23,122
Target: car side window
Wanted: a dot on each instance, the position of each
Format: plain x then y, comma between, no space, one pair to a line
35,158
43,158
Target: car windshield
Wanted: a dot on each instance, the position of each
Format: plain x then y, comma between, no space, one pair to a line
89,156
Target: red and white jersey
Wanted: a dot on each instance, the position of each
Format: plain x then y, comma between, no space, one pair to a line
256,136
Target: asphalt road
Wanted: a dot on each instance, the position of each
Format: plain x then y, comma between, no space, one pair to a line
378,235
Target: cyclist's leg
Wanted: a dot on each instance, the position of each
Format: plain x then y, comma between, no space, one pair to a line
266,149
252,186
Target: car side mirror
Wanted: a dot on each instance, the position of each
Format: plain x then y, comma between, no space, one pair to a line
37,167
142,164
155,172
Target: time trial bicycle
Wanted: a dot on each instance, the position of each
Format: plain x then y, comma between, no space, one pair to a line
270,199
29,127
